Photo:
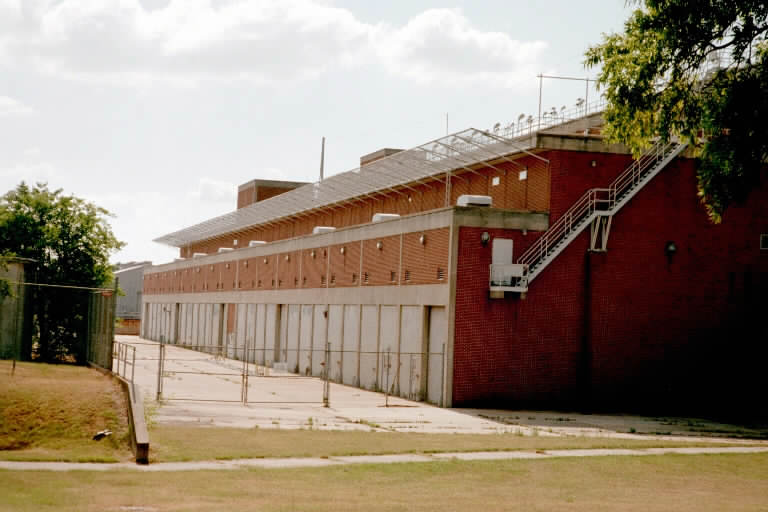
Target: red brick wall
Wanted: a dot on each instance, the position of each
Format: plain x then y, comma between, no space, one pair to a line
314,265
510,193
423,262
288,270
345,267
628,329
379,264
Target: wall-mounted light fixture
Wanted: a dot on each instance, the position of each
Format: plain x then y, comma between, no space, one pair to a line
343,250
423,239
485,238
312,254
670,249
380,245
593,163
287,257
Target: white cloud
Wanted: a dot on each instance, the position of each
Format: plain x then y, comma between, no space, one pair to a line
31,172
11,107
209,190
263,41
441,45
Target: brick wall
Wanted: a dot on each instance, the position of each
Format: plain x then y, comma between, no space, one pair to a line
629,329
332,266
502,183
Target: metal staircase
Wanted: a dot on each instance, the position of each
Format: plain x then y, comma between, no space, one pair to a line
594,209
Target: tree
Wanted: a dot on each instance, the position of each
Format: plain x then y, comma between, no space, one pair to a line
70,240
697,70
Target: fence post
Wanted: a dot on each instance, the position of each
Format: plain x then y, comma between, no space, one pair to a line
327,383
133,365
160,364
111,325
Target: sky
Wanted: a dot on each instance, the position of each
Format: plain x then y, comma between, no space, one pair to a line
157,109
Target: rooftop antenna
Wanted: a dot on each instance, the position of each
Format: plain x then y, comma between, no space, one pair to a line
446,123
322,158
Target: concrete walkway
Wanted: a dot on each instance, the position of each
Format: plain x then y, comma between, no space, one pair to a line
314,462
286,401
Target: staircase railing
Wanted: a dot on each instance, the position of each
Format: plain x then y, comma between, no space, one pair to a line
594,201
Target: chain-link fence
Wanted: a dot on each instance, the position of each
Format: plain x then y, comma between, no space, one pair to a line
61,323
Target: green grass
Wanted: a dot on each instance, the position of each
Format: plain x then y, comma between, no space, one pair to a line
51,412
187,443
652,483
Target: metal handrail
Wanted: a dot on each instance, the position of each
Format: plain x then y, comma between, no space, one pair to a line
604,199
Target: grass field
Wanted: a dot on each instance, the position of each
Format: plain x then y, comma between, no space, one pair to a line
652,483
51,412
182,443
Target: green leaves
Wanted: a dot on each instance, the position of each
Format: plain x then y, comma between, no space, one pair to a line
68,236
697,71
70,240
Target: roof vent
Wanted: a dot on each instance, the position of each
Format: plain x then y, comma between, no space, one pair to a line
255,243
225,249
322,229
470,200
199,255
379,217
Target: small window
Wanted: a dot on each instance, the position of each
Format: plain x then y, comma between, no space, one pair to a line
440,273
279,283
295,281
365,277
523,175
259,283
407,275
322,280
393,276
354,277
333,278
304,281
495,181
764,242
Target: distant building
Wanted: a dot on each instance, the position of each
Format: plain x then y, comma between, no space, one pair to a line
593,280
128,308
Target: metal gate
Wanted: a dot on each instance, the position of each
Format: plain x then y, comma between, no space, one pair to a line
205,374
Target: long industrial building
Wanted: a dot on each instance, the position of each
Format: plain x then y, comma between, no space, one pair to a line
532,266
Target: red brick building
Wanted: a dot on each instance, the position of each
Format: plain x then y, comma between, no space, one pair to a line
593,280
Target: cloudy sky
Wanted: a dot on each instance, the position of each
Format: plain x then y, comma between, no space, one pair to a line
158,109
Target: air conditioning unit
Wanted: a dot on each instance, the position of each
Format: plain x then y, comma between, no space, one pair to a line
322,229
199,255
379,217
256,243
225,249
470,200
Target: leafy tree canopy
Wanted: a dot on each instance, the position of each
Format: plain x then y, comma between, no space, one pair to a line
698,70
69,237
71,240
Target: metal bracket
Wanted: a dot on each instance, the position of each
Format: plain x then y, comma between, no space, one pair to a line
600,228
